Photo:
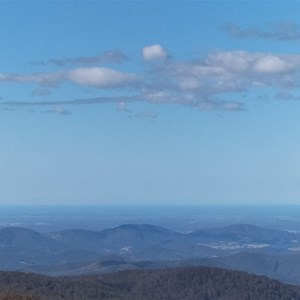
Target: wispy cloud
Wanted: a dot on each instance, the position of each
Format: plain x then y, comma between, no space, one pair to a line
206,83
93,76
285,31
46,79
41,91
149,114
109,57
75,102
122,106
58,110
286,95
213,82
38,63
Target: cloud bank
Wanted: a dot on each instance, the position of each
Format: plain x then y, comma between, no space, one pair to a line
212,82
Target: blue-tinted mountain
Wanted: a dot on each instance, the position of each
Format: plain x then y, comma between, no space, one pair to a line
141,246
245,233
135,241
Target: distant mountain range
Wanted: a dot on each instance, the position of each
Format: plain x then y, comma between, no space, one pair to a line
269,252
165,284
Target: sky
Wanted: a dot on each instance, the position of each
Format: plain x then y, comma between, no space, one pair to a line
149,102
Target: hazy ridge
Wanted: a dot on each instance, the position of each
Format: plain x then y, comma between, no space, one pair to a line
244,247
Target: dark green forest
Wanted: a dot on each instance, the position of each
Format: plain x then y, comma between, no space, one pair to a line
167,284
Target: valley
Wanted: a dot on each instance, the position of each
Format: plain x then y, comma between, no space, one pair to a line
243,247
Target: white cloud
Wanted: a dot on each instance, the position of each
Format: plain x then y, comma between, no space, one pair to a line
231,71
242,62
190,83
101,77
271,64
154,52
209,83
238,61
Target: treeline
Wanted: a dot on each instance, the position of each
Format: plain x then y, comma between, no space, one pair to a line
195,283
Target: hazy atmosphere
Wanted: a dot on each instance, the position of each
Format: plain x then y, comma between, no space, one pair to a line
149,102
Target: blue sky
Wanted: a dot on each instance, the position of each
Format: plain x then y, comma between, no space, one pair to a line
149,102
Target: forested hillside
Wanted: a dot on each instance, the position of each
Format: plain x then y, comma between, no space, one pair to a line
169,284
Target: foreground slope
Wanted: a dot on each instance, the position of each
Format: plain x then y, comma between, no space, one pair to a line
172,284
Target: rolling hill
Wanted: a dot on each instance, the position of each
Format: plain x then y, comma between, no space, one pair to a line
244,247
